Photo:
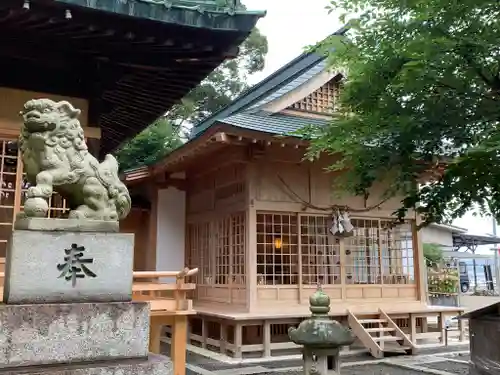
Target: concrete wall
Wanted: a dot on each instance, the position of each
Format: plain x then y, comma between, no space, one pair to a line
171,230
438,236
476,302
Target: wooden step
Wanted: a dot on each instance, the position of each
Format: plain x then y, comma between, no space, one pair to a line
386,338
380,329
371,321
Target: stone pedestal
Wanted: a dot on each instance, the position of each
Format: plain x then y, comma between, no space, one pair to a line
79,332
151,365
72,264
316,361
68,308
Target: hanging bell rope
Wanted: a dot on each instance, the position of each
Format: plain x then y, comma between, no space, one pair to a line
297,198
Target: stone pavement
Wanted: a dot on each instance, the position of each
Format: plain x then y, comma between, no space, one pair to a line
438,361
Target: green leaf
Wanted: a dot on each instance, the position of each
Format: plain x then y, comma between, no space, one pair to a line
424,86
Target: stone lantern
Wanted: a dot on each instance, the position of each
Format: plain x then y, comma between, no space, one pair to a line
320,336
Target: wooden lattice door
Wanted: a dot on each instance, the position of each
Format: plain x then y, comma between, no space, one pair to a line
9,198
13,186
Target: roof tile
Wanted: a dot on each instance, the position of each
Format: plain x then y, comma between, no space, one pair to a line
274,124
295,83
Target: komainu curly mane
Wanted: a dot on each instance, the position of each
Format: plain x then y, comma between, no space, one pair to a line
56,158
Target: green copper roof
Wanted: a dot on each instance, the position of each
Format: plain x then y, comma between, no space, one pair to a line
214,14
132,60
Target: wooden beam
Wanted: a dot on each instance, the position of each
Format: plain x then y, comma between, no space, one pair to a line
144,56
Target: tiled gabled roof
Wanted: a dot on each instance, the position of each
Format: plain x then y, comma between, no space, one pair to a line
284,80
274,124
293,84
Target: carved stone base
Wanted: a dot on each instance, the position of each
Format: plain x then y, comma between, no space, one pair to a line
50,266
32,335
321,361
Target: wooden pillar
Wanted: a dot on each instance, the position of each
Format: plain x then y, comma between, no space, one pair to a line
461,330
441,323
251,240
223,337
155,327
238,340
204,332
413,328
425,327
343,273
178,344
419,261
150,261
18,187
266,338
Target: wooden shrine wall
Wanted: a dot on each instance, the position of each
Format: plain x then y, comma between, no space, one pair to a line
216,227
137,222
377,263
12,101
307,180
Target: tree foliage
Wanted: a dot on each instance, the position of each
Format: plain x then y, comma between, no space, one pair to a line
423,85
149,146
433,254
223,84
216,91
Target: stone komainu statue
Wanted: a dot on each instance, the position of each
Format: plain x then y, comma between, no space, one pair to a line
56,158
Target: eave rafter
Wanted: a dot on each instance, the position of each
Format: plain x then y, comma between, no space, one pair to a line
130,68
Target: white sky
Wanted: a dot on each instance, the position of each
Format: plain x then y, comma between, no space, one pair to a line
292,25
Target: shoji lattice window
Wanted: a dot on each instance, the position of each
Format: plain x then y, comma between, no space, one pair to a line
320,251
222,250
397,254
238,247
218,249
363,253
58,207
198,251
379,253
277,249
323,100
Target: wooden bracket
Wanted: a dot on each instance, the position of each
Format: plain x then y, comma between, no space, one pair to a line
255,151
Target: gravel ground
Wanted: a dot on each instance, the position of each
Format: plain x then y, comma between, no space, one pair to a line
372,369
362,369
460,356
453,367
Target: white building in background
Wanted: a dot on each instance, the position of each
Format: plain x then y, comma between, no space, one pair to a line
441,234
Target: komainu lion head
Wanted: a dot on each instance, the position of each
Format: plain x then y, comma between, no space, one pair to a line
56,123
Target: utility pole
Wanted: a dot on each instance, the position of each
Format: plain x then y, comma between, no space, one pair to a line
497,269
